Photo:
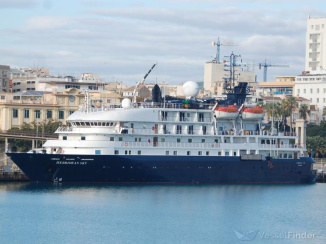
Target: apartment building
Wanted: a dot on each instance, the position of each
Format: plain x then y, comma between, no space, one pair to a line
316,44
4,78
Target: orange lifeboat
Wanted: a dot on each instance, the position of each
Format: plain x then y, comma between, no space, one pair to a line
229,112
253,113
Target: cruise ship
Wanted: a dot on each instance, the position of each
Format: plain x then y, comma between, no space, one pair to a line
170,141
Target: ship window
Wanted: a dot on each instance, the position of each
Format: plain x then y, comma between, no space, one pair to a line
190,129
188,153
111,138
226,153
97,152
182,116
77,123
268,142
234,153
290,155
139,140
200,117
207,153
126,152
175,153
216,140
178,139
219,153
116,152
190,140
202,140
262,141
120,138
285,155
179,129
139,152
167,153
87,123
204,129
162,139
83,138
200,153
64,138
129,152
136,138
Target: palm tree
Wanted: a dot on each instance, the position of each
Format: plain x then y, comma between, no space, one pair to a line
284,111
304,111
268,109
290,106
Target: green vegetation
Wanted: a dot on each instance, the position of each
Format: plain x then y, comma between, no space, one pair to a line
41,128
316,140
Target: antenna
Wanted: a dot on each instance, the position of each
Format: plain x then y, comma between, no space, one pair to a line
218,44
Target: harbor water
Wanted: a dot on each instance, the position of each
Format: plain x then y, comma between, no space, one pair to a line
82,213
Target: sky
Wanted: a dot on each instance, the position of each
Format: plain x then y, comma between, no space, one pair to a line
121,39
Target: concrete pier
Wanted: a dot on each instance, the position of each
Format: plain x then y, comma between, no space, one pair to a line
13,176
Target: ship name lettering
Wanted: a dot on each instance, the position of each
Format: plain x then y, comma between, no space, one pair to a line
71,163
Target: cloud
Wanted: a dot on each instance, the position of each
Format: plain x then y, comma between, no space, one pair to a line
123,43
20,4
47,22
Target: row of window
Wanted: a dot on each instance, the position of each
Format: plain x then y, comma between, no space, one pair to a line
49,114
93,124
311,90
316,27
311,79
175,153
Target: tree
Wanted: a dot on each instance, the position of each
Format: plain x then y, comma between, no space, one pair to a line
304,111
284,111
324,112
25,145
288,106
316,146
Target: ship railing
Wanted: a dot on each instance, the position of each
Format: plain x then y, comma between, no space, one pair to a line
280,146
143,131
186,119
150,143
253,133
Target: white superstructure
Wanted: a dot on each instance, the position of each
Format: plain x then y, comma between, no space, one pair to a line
186,128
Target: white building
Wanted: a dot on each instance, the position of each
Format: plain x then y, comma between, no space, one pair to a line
60,84
312,86
316,44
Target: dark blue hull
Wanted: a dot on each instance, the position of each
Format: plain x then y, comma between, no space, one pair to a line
162,169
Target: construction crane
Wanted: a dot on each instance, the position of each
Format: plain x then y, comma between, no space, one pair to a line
218,44
265,65
142,82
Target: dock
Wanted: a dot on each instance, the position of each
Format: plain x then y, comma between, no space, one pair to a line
13,176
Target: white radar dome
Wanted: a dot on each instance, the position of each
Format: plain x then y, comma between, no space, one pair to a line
126,103
190,89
